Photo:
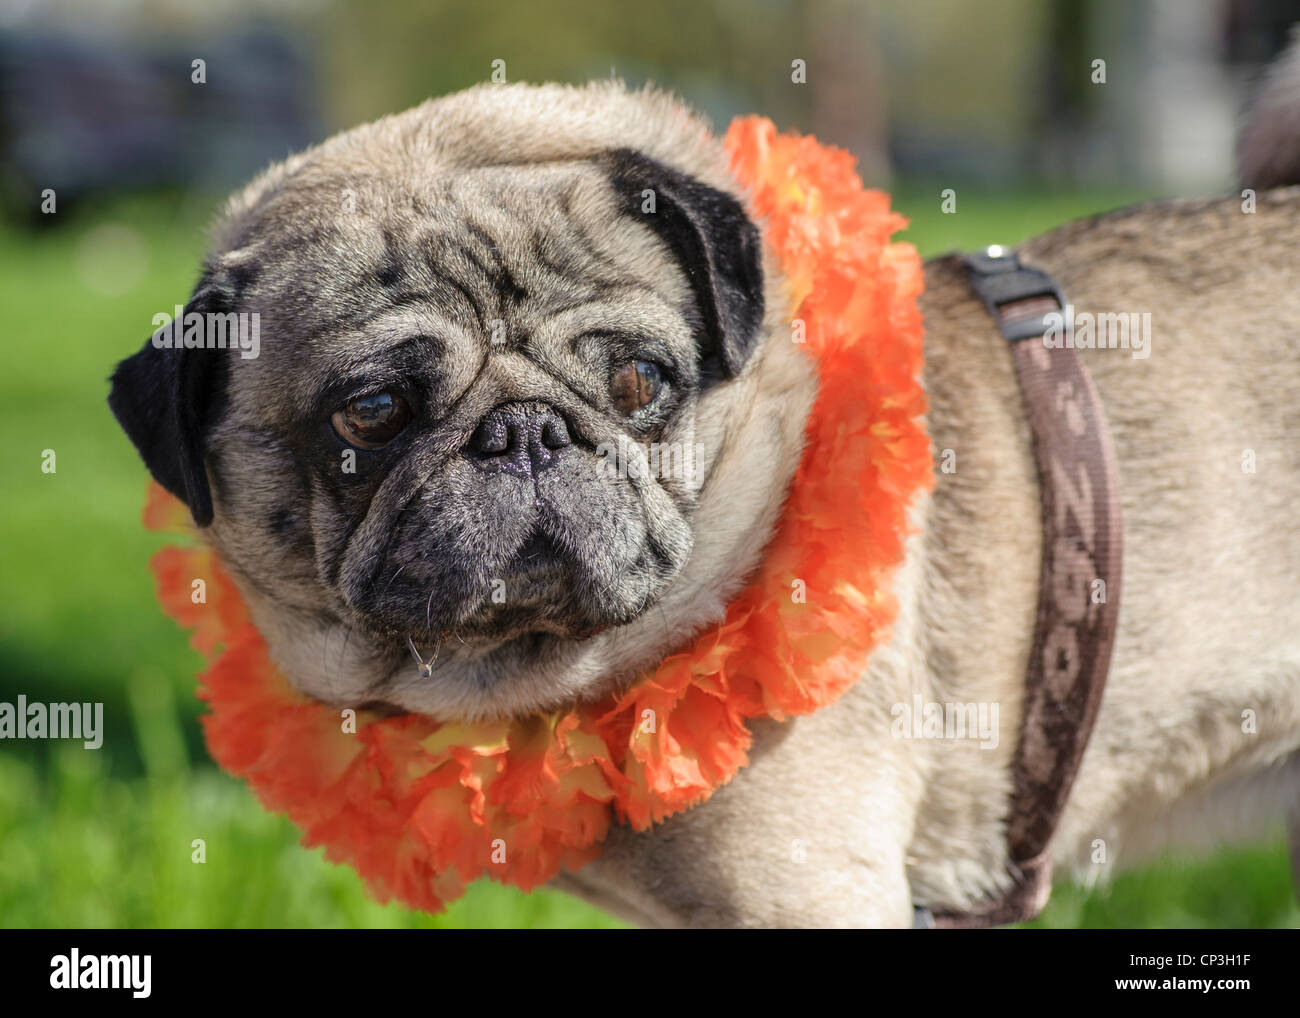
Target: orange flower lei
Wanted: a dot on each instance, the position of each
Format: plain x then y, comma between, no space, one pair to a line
421,808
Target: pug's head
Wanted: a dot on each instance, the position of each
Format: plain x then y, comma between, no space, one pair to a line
509,397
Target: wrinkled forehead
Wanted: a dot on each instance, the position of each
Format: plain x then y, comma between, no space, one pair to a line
512,257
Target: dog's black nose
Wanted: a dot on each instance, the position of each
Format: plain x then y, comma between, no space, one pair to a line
519,438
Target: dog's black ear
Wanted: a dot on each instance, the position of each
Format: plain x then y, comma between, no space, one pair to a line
714,241
162,396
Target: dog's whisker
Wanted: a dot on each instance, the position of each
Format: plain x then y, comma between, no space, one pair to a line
393,578
426,667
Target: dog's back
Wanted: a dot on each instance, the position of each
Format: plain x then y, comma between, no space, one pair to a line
1197,304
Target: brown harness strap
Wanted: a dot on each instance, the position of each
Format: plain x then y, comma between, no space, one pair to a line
1078,595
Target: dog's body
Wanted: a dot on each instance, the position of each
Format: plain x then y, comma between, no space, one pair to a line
836,821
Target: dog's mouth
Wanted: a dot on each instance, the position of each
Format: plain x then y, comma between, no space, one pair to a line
490,584
538,556
541,595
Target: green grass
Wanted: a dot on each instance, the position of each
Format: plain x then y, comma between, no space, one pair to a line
104,838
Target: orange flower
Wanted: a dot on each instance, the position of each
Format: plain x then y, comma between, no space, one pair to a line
421,808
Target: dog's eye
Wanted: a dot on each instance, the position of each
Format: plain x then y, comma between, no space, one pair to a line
636,385
370,422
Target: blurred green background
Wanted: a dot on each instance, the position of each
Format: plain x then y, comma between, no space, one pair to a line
927,95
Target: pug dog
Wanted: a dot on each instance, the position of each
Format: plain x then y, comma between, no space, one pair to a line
465,307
